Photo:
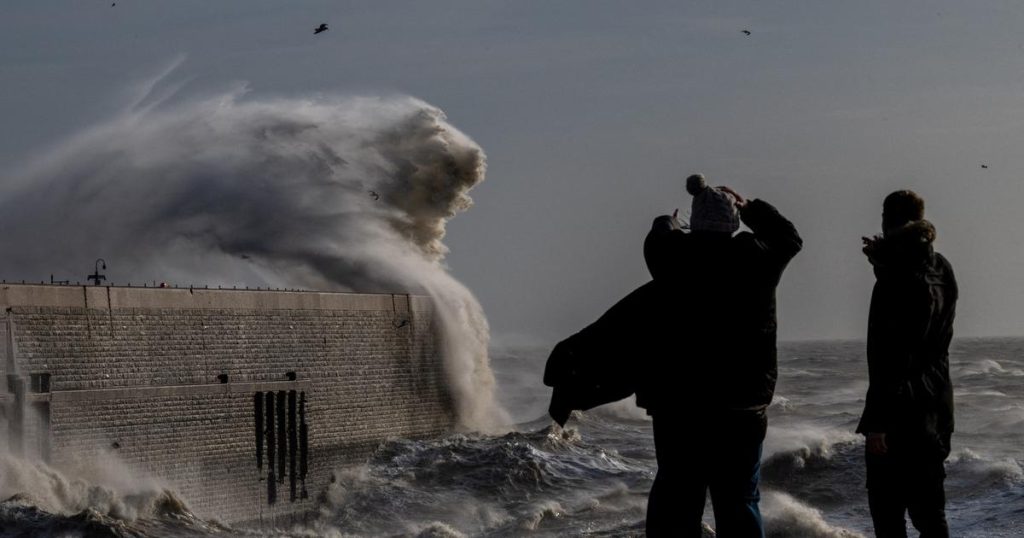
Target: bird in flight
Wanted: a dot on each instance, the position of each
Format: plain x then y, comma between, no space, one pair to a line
319,29
985,166
375,195
745,32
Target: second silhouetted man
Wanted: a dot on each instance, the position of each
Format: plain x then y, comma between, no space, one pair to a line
908,412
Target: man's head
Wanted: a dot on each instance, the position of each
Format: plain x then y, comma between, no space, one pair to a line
900,208
713,210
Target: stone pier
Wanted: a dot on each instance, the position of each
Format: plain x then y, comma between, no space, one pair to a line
243,401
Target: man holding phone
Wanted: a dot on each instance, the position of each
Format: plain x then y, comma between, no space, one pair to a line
709,381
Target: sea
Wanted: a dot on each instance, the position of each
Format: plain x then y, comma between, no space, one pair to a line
592,478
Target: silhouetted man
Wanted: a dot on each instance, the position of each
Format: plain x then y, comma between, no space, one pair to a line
711,377
908,412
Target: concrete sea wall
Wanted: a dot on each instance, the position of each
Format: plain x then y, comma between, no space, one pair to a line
244,401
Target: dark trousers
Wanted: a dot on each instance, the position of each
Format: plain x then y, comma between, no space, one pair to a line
719,453
908,479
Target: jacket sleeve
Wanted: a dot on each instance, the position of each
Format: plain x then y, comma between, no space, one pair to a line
663,247
924,385
774,235
602,363
873,419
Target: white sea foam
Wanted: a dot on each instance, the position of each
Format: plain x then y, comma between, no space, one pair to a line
781,403
969,463
805,441
541,511
438,530
789,518
102,485
622,409
990,367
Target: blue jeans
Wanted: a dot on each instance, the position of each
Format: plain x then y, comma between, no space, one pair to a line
720,453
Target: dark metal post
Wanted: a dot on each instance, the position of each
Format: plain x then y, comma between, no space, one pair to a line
96,277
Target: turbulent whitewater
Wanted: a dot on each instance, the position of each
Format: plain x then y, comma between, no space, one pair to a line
592,479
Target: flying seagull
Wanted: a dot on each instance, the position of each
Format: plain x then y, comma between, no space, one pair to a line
321,28
375,195
985,166
745,32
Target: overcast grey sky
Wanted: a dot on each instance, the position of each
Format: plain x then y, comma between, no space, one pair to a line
592,113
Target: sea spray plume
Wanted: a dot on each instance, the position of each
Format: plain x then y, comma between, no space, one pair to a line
229,190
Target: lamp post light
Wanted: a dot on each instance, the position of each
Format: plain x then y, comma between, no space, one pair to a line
96,277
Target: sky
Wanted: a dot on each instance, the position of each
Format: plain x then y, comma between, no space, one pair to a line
592,113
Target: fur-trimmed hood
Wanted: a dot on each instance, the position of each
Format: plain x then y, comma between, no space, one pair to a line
908,246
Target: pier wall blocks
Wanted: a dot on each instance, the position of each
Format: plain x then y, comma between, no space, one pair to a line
313,381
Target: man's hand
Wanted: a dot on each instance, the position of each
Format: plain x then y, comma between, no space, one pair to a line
876,444
870,245
741,202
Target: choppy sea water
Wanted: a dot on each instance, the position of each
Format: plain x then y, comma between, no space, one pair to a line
592,479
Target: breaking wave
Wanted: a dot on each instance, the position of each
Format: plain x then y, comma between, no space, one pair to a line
98,498
327,192
820,469
503,485
975,475
786,517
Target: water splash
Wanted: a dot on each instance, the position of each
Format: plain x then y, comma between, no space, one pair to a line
331,192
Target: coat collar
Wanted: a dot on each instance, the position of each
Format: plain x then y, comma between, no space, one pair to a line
908,246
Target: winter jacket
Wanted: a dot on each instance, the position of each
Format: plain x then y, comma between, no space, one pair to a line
718,349
661,340
910,326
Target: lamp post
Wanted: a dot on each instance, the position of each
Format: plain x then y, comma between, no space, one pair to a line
96,277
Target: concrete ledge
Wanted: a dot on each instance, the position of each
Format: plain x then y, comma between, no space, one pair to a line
133,393
110,297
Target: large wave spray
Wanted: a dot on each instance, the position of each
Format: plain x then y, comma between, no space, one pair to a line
329,192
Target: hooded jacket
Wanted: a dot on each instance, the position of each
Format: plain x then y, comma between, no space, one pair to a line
910,326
